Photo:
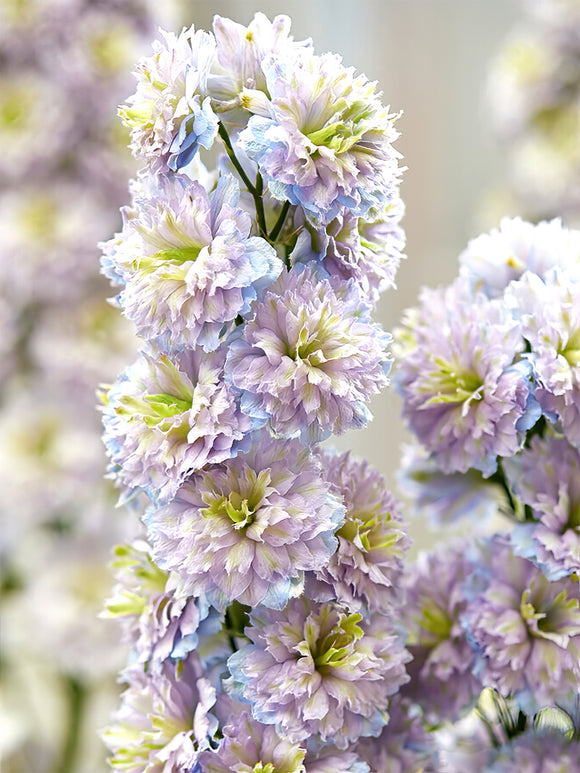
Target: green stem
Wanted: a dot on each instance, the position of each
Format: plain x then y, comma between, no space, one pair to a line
275,232
233,158
77,698
499,478
256,190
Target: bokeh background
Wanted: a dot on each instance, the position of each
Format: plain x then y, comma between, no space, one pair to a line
64,66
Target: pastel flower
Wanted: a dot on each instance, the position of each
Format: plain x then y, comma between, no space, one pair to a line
240,52
465,394
321,137
248,528
546,477
550,322
366,569
156,623
167,417
315,669
442,679
310,359
491,261
187,261
368,250
164,721
250,746
170,115
526,629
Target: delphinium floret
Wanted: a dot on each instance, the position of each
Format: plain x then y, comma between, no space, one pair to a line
247,529
546,477
310,359
466,392
318,669
190,266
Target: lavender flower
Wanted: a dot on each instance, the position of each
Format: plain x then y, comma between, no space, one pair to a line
315,669
249,745
367,250
164,721
167,417
366,568
491,261
550,322
157,624
321,138
248,528
546,477
170,114
310,358
442,679
240,52
188,262
525,628
465,395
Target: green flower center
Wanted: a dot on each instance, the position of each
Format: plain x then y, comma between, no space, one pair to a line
434,622
549,618
571,351
335,648
240,506
263,767
16,105
341,125
455,384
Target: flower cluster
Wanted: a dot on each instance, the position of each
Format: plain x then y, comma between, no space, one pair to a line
262,609
489,375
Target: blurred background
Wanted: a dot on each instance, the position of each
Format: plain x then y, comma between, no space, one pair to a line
64,67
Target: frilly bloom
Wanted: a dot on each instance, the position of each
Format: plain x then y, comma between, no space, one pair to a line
491,261
156,623
167,417
164,720
310,359
366,569
537,752
442,680
525,628
368,250
550,322
546,477
321,137
465,395
170,115
248,528
188,262
316,669
240,52
250,746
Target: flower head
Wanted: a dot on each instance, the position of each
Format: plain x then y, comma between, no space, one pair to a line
442,681
316,669
310,358
464,395
491,261
167,417
526,629
187,261
546,477
248,528
366,568
322,139
170,114
550,321
164,720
